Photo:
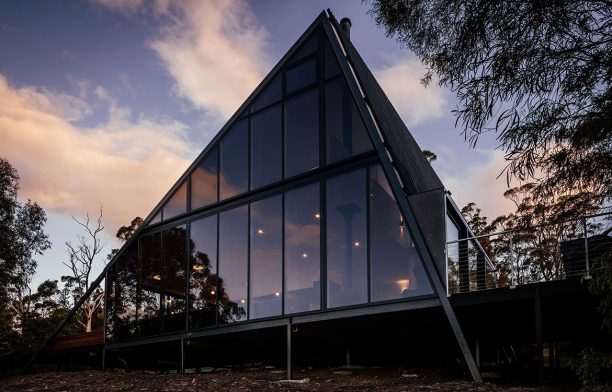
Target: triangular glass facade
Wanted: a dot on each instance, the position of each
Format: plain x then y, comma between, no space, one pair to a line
288,211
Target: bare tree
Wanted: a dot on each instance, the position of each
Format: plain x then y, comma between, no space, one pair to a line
81,259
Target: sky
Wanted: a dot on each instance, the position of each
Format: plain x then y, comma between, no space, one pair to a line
105,103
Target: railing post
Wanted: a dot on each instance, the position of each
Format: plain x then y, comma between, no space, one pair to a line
447,261
513,270
586,249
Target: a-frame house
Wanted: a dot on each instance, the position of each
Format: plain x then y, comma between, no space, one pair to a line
312,203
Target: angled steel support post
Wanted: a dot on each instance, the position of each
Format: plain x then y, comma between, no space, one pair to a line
332,29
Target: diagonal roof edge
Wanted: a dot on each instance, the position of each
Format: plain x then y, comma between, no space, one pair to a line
416,172
237,114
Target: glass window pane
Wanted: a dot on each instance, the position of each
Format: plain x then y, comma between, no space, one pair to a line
310,46
270,94
395,267
234,161
331,64
302,133
346,134
150,284
173,278
204,181
302,250
266,258
177,204
125,305
301,76
347,258
266,165
203,272
233,264
156,218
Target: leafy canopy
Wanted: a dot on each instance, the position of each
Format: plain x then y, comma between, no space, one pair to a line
21,236
536,73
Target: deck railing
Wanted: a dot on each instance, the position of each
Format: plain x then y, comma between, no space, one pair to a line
552,251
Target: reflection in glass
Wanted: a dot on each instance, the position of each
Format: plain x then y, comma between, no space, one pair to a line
156,218
233,264
150,284
204,181
271,94
452,254
301,76
234,161
266,258
125,302
395,267
173,278
346,134
266,150
203,272
307,48
177,204
302,133
347,259
331,64
302,250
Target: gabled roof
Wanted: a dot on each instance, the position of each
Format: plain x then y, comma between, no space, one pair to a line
416,172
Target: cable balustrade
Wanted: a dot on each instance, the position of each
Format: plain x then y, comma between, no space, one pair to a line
567,249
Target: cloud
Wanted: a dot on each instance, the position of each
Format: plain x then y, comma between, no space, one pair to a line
46,100
476,182
123,6
127,163
215,51
415,103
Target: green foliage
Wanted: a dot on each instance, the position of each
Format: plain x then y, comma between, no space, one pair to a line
535,254
430,155
21,236
594,368
535,73
602,286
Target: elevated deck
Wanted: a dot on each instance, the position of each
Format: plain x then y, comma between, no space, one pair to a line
77,341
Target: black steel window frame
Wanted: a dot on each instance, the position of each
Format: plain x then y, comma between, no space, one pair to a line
321,81
320,175
363,161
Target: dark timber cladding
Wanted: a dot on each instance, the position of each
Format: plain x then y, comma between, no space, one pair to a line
293,214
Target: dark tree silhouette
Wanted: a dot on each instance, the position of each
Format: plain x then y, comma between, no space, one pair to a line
21,239
537,74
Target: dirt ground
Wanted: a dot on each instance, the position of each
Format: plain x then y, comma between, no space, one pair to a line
266,379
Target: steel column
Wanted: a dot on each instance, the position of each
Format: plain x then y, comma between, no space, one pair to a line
182,361
289,351
538,333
